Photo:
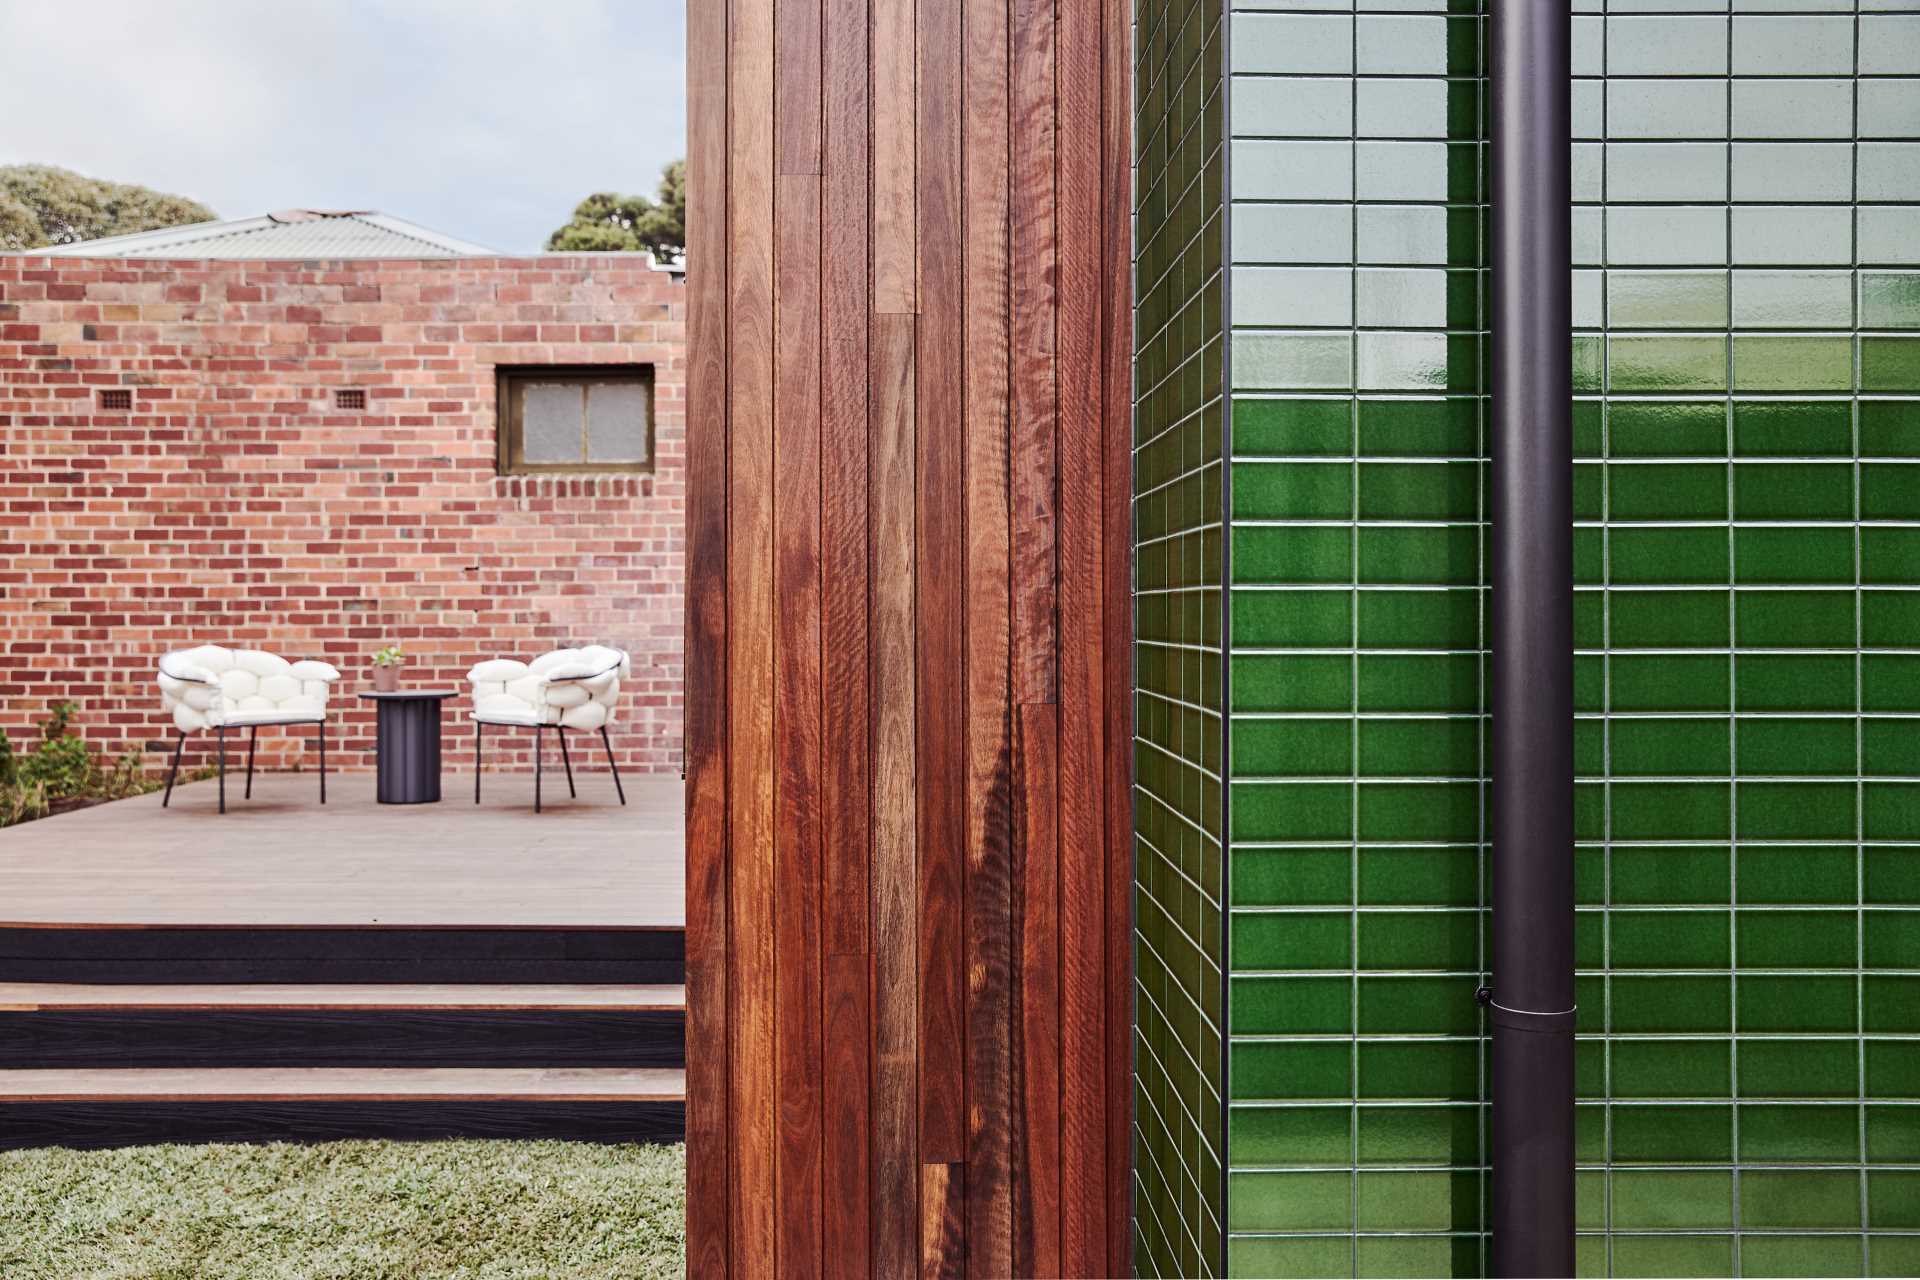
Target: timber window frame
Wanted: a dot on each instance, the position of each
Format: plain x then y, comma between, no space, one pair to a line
512,385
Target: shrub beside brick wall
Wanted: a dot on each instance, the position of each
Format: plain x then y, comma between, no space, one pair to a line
233,503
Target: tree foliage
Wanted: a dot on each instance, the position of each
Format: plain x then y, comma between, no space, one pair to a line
610,223
42,205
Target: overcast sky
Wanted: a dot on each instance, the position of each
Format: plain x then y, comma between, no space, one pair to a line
484,119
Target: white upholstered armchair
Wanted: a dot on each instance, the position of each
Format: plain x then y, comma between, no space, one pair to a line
221,689
562,690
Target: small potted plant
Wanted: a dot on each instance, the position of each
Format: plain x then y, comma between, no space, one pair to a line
386,669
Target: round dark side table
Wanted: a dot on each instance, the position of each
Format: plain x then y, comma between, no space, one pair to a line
407,745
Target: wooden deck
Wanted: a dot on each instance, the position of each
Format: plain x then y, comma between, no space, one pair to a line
282,860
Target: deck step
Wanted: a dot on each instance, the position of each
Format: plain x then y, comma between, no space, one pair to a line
319,954
131,1106
74,1027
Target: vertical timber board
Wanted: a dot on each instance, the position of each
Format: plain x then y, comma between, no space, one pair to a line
799,112
750,630
1083,1075
1033,299
896,1214
1116,437
940,586
989,709
847,1026
708,1151
797,718
1037,1094
894,59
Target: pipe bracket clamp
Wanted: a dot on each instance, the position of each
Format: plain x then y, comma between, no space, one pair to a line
1510,1019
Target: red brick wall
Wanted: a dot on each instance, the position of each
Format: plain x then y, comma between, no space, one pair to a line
235,505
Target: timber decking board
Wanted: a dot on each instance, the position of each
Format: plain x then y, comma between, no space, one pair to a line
141,1122
612,997
342,1084
910,532
283,859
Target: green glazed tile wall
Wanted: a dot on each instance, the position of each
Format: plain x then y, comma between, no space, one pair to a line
1748,662
1179,935
1355,632
1747,419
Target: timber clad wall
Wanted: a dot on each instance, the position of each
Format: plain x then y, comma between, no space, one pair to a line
909,815
234,503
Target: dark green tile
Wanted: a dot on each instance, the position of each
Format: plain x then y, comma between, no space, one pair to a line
1669,619
1418,1200
1671,1004
1781,1133
1447,1070
1797,1002
1277,1070
1288,1006
1288,1135
1794,619
1422,555
1890,491
1793,554
1419,682
1669,1199
1419,490
1671,1069
1391,812
1667,491
1671,748
1672,1135
1671,811
1418,1006
1796,810
1289,1202
1418,877
1419,940
1790,682
1670,939
1302,811
1784,1255
1292,491
1797,429
1663,556
1291,427
1292,682
1794,1198
1420,428
1797,874
1670,875
1291,877
1419,1135
1418,619
1651,429
1685,682
1302,554
1294,746
1418,748
1674,1255
1890,682
1890,557
1292,619
1799,1068
1291,940
1889,428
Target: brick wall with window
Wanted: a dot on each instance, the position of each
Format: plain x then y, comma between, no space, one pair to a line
304,457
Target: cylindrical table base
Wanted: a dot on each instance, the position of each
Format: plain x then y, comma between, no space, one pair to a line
408,751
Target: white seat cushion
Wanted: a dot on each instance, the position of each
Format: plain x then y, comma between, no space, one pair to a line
505,710
272,715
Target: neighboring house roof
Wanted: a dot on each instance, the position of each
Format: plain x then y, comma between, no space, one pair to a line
294,233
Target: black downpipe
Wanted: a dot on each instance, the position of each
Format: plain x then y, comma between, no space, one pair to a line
1531,1003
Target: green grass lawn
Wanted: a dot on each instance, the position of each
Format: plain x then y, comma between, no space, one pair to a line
344,1209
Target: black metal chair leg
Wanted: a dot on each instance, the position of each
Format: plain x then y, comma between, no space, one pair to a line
477,727
537,731
253,740
608,744
174,769
323,762
220,732
560,731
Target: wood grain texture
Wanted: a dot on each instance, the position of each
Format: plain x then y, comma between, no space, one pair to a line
1033,303
940,585
1037,994
798,735
707,895
750,631
988,707
896,1020
913,883
892,75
